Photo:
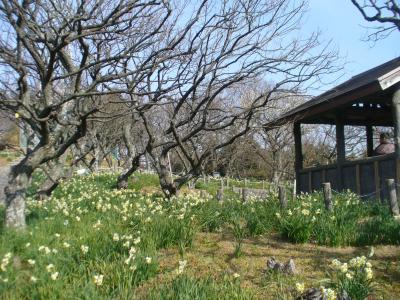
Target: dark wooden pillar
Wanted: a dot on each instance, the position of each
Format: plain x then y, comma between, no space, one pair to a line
340,150
298,153
396,119
370,140
340,142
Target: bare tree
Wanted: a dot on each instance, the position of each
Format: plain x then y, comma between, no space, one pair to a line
234,46
57,57
386,13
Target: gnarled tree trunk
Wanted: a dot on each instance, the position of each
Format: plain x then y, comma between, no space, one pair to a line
122,181
55,172
167,183
19,179
134,158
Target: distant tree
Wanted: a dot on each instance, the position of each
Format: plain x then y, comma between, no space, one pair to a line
383,12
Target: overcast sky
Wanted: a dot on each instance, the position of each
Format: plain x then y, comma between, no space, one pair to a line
340,21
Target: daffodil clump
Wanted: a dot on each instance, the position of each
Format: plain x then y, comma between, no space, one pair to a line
355,277
307,220
349,280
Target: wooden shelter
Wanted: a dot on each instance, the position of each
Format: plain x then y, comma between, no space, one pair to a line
369,99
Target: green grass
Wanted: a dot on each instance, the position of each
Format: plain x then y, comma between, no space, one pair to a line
186,288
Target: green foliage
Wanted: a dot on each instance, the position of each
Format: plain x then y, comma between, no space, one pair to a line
238,227
306,220
90,241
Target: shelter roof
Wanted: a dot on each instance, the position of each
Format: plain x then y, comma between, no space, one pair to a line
362,98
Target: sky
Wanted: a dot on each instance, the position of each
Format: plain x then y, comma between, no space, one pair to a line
340,21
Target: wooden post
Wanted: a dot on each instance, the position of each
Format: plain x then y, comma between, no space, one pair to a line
398,175
328,196
396,119
220,194
358,179
282,196
394,206
294,189
245,193
341,151
245,182
263,184
298,151
222,183
370,140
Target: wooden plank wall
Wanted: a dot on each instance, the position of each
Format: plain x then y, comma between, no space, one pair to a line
364,177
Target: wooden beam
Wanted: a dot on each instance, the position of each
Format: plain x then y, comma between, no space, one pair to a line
358,179
321,105
326,121
370,140
298,152
298,146
340,150
396,118
340,141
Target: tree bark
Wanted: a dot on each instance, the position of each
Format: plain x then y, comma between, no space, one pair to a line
55,172
122,181
167,183
134,158
19,179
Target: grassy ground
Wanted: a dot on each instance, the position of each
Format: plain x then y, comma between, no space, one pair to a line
92,242
212,256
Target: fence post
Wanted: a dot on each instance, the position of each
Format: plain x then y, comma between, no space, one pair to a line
220,195
328,196
394,206
294,189
282,196
203,194
245,193
263,184
222,183
245,182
